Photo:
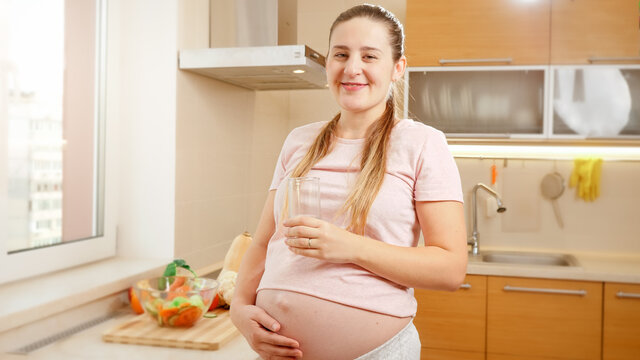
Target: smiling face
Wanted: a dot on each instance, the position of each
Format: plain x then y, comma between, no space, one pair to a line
360,66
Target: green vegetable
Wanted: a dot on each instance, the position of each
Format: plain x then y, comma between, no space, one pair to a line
196,300
210,315
172,270
178,301
152,306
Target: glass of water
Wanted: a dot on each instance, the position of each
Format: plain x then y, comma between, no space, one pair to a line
303,196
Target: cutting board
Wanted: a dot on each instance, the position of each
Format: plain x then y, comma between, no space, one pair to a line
206,334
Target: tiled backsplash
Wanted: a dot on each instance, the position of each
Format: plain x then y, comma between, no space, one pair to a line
608,224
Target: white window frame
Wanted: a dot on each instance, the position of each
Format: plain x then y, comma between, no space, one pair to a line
28,263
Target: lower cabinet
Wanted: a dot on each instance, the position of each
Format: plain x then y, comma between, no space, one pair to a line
452,324
512,318
621,338
544,318
514,357
437,354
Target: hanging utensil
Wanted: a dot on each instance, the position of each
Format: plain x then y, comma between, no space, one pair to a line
552,187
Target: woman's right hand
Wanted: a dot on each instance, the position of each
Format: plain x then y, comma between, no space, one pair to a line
260,330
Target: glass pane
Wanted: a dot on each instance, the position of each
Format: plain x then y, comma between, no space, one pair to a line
52,128
596,101
489,102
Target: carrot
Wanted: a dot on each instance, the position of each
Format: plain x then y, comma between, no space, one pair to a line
177,282
188,316
179,291
165,314
184,304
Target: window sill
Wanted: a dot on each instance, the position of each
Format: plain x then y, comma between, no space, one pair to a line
25,301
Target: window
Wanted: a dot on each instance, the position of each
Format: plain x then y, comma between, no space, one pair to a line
52,136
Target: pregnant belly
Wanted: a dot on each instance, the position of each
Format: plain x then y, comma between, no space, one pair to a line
325,329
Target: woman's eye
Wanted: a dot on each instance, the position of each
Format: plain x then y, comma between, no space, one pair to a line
340,55
370,57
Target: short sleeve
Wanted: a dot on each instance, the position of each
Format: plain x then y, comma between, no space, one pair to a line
280,171
437,176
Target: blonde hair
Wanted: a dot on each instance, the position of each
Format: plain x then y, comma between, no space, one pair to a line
374,154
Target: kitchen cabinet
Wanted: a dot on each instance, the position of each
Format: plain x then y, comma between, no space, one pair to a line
479,101
543,318
452,324
527,102
595,101
452,32
621,338
594,31
513,357
437,354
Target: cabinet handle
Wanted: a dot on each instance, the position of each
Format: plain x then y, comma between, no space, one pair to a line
621,294
465,61
546,291
465,286
618,58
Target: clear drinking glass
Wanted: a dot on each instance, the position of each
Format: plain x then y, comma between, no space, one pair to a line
303,194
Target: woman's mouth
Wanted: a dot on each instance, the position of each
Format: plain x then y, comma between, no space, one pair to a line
350,86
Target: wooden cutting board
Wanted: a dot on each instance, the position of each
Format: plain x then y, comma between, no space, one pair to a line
206,334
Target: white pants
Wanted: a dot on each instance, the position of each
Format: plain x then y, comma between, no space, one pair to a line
405,345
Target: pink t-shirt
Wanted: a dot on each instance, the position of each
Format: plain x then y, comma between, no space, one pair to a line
419,168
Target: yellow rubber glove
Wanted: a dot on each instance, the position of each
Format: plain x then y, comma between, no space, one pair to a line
575,174
586,178
596,171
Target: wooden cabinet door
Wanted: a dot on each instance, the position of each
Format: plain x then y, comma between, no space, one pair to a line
621,338
437,354
539,317
581,29
466,30
453,320
514,357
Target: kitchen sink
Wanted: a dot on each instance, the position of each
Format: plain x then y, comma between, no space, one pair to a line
529,258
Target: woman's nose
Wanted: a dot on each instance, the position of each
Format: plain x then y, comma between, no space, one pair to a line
353,66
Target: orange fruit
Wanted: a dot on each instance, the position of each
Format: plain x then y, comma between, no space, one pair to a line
135,303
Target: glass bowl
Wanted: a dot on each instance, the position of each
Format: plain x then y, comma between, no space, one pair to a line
176,301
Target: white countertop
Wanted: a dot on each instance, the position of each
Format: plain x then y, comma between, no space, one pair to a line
88,344
591,267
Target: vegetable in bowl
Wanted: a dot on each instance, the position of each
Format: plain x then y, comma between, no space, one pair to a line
176,301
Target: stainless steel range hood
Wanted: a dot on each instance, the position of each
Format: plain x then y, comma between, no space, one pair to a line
260,61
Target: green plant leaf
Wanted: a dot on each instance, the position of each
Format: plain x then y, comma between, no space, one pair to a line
180,262
170,270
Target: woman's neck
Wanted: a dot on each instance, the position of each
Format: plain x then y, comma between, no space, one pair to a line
355,125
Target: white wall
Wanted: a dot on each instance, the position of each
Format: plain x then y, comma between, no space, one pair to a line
142,105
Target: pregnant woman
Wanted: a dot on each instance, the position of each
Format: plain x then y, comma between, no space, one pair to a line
340,286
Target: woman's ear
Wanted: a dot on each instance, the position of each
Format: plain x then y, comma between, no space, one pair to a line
399,68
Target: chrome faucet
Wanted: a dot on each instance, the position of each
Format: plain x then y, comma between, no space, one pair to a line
473,240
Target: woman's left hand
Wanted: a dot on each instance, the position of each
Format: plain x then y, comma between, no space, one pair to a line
308,236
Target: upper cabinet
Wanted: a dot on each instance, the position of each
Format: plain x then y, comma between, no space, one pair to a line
502,101
545,69
497,32
594,31
525,32
595,101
